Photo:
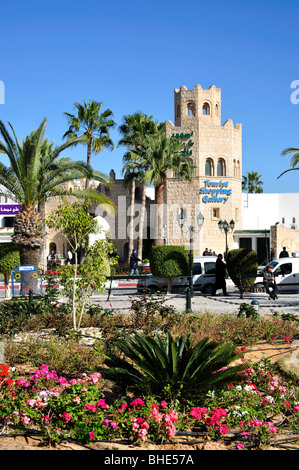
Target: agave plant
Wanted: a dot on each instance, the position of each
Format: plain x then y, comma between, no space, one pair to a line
172,368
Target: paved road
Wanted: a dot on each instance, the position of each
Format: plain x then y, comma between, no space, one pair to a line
123,293
121,299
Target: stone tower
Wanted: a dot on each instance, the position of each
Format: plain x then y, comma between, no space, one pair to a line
216,151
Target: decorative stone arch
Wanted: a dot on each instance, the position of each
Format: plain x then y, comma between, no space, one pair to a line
221,167
191,108
206,108
209,167
52,247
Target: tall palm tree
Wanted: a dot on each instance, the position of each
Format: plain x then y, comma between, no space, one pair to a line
135,130
252,183
164,156
35,174
93,124
294,159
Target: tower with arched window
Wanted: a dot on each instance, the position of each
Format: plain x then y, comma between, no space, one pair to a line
216,151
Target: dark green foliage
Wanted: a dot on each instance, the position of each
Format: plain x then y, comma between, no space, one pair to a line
248,311
169,261
242,267
9,257
172,368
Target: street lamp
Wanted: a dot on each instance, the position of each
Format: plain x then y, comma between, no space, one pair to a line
181,220
226,227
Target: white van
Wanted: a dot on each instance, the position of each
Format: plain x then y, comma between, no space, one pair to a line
204,270
286,272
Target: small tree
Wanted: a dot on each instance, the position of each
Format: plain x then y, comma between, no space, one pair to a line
169,261
9,259
242,267
74,222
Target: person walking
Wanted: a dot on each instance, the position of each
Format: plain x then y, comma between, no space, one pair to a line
134,263
284,253
269,282
220,276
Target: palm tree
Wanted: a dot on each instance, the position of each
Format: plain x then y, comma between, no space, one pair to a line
294,158
164,156
252,183
135,129
93,124
34,175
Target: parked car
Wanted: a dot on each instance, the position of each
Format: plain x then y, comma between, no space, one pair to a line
286,272
204,269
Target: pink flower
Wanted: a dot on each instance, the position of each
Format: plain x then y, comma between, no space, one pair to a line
197,412
106,422
90,407
25,419
171,430
66,416
223,429
240,446
271,426
91,435
137,402
77,400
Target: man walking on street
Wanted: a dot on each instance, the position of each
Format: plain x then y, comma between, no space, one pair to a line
220,276
134,263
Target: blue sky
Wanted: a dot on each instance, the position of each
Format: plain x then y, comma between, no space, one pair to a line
132,55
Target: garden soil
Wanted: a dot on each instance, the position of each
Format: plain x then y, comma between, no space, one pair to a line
280,353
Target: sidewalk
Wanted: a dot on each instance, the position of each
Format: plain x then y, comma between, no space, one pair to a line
121,299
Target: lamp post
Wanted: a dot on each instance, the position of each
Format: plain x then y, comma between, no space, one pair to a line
192,231
226,227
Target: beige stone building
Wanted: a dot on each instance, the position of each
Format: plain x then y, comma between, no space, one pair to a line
216,151
215,189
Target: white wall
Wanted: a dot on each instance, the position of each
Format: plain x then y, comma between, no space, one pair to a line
260,211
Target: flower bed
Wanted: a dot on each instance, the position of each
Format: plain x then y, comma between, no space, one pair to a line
249,415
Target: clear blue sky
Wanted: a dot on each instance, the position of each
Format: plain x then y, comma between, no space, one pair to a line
132,55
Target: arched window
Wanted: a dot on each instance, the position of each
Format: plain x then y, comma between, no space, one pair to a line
238,169
235,168
209,167
217,110
206,109
221,169
191,108
178,111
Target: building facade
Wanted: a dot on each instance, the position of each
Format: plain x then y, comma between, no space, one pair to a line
216,152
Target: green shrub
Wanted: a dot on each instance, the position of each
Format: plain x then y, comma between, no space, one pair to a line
169,261
9,259
172,368
242,267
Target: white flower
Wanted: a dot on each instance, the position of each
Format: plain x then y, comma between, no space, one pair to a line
270,398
